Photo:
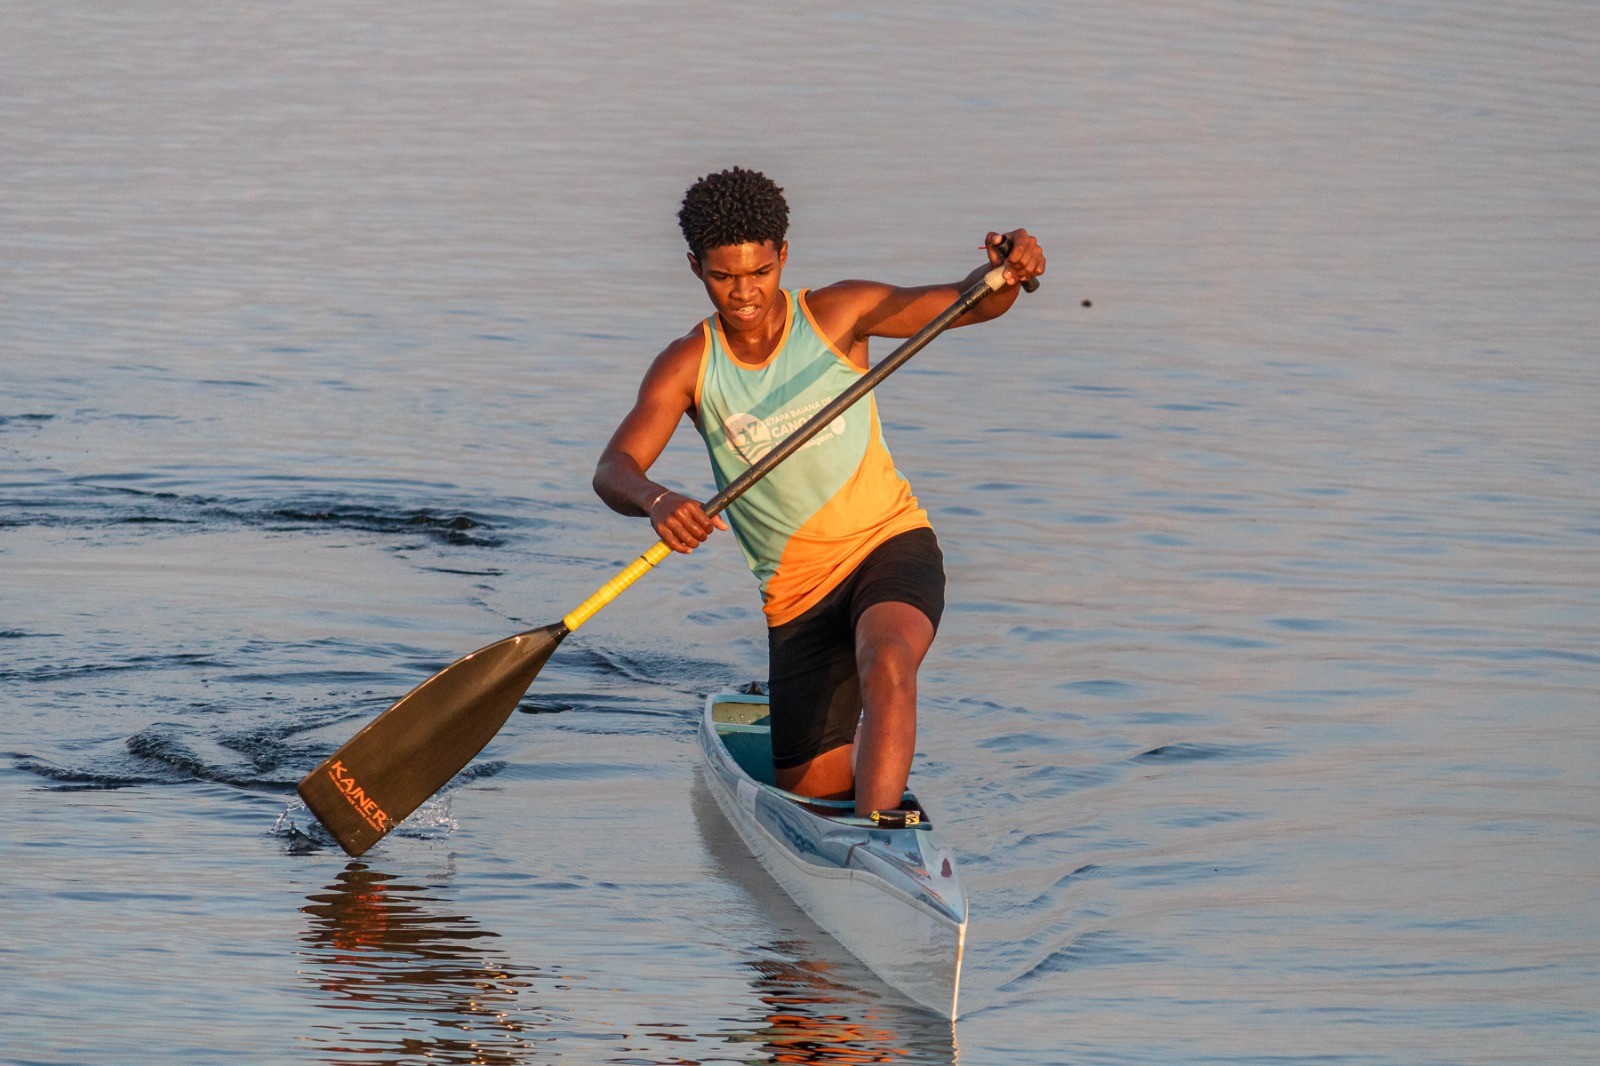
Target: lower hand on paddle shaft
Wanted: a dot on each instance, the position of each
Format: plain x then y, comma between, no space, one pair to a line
681,522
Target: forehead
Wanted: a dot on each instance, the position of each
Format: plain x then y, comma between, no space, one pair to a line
740,258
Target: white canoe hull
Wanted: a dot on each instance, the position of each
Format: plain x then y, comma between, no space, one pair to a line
891,897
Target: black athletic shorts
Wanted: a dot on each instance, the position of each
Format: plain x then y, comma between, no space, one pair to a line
812,681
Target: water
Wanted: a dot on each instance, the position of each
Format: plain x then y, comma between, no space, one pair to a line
1264,716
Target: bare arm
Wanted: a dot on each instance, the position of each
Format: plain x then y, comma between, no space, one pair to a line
852,311
621,477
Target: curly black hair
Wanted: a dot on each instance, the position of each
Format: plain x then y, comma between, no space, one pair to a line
736,206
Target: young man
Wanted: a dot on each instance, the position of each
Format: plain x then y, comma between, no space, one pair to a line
852,580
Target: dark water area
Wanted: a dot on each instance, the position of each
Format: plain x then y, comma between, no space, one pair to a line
1264,716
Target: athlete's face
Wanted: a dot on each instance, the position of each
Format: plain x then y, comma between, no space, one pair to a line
743,282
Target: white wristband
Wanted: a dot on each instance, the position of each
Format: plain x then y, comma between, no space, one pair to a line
664,494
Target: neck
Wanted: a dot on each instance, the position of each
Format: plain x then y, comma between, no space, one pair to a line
755,344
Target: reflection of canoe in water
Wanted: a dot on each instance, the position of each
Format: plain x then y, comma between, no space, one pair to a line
892,897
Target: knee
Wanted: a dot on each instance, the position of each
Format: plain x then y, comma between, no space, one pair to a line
892,662
891,639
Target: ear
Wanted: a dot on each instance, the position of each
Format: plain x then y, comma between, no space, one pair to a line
694,265
783,253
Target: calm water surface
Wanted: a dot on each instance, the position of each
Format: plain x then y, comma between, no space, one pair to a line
1264,718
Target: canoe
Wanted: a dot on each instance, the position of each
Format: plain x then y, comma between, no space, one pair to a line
891,896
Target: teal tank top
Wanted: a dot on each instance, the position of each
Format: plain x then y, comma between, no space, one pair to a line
806,525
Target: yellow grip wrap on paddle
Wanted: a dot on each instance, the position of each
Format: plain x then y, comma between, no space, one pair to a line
614,588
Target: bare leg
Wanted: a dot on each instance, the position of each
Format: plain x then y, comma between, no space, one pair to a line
828,776
891,641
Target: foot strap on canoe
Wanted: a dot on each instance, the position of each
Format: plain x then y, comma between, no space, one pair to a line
897,819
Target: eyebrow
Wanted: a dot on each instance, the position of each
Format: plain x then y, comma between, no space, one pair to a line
765,268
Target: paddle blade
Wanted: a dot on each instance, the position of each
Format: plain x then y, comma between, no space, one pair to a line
413,749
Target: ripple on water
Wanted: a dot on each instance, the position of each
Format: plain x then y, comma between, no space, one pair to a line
311,512
1089,951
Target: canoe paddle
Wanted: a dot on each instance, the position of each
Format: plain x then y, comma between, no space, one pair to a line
413,749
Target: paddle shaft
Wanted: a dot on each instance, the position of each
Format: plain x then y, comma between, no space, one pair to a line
993,281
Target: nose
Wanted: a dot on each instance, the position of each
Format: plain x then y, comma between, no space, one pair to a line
742,288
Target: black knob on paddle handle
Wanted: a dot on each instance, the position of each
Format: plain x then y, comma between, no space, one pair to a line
1004,248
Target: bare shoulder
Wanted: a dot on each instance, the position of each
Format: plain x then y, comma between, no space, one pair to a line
665,395
846,301
678,366
844,311
851,311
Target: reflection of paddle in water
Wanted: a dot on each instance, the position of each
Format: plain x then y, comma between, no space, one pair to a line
418,985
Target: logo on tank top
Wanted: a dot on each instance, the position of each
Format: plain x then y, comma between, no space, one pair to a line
751,437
